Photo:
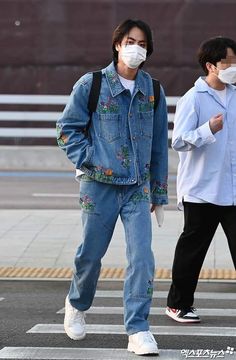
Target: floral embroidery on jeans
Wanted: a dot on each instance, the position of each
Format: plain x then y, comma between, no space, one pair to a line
87,203
123,155
150,287
141,195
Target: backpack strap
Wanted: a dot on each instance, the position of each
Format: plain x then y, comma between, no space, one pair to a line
94,94
156,91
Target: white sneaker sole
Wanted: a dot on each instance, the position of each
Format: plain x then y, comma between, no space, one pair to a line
137,351
73,336
172,316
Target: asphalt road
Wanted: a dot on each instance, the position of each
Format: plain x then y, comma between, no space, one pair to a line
26,304
48,190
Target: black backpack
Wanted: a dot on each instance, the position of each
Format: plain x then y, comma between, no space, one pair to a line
95,91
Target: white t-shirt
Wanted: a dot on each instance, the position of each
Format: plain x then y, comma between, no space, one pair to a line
222,95
128,84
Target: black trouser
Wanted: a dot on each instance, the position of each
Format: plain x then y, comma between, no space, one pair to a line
200,224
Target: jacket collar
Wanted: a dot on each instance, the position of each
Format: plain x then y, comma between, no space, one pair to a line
114,82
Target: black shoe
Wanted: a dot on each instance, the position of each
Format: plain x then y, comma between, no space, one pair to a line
187,315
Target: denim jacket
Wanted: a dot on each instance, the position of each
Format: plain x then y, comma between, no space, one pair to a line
126,143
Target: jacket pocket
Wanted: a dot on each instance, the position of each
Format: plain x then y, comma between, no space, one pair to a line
146,123
110,127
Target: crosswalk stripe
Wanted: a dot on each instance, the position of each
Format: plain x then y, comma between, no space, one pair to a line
119,310
163,295
157,330
54,353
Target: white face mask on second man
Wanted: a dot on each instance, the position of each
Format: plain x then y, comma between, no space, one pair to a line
133,55
228,76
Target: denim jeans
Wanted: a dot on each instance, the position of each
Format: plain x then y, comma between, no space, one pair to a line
101,205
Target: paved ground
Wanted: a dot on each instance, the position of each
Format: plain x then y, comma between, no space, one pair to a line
32,315
49,238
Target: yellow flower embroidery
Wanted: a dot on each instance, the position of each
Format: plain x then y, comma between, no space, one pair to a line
108,172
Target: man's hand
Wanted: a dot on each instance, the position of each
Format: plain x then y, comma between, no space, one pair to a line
216,123
159,212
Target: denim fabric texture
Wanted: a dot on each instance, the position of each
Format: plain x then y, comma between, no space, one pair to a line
127,143
123,157
101,205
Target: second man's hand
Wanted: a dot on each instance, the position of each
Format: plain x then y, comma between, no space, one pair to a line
216,123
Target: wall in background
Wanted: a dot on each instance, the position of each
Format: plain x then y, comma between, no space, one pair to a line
46,45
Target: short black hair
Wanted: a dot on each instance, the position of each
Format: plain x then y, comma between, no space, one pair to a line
124,28
213,50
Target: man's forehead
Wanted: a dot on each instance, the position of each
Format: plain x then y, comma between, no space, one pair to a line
135,37
229,59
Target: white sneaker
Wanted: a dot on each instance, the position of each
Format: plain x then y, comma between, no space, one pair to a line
143,343
74,323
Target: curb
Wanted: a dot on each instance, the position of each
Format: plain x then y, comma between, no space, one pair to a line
106,273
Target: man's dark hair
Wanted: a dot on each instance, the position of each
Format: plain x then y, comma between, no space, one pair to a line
124,28
214,50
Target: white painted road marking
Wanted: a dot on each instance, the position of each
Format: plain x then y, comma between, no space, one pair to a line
163,295
50,353
119,310
156,330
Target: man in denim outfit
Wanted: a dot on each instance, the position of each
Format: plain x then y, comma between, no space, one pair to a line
121,162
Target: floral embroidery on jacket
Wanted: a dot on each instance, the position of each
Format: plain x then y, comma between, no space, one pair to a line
102,174
123,155
110,106
145,103
61,138
114,80
160,188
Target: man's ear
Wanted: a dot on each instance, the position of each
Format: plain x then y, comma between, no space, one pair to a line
117,47
209,67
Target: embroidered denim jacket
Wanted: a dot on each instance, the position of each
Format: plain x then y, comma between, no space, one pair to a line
126,143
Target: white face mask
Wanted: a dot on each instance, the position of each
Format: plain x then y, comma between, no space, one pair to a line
133,55
228,76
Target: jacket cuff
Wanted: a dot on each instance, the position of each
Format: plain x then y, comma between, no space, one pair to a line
159,193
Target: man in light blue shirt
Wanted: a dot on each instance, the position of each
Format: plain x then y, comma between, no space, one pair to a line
205,137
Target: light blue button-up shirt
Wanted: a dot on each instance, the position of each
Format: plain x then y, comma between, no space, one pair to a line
207,167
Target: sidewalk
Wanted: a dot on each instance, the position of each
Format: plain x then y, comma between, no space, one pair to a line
49,238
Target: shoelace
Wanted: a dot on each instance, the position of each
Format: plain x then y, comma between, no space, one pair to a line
191,309
78,315
148,337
